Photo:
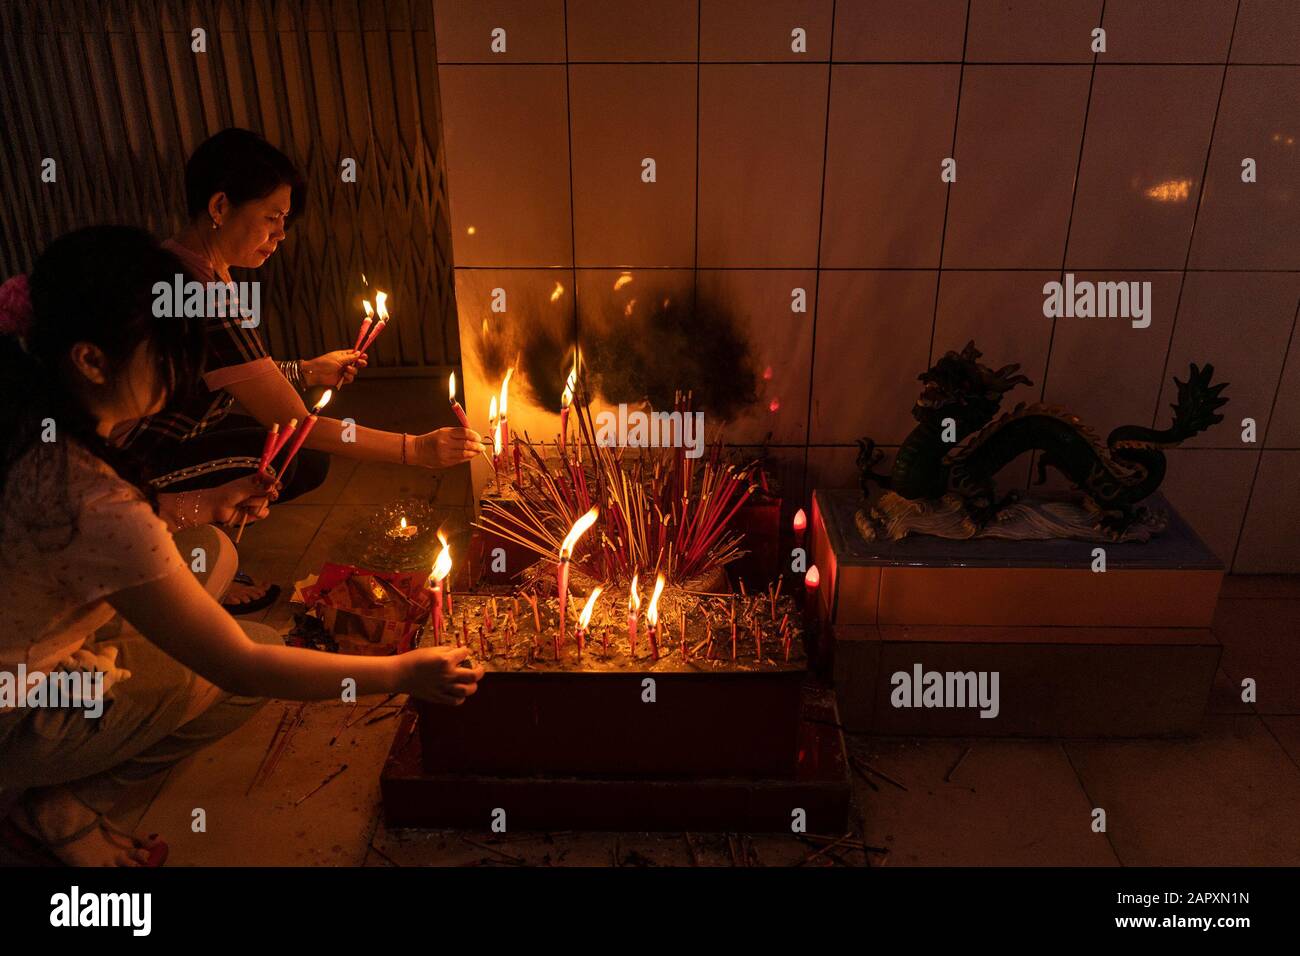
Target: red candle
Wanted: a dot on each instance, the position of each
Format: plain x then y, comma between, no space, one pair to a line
505,424
365,325
299,437
562,575
812,580
800,526
283,440
566,398
441,568
562,581
381,307
633,606
437,613
455,405
268,448
652,616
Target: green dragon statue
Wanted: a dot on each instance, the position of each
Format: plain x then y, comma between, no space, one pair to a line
959,446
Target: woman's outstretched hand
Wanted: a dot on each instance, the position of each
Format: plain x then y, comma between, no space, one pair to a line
445,447
333,368
433,674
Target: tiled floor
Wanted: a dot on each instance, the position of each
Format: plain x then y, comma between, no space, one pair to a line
1228,796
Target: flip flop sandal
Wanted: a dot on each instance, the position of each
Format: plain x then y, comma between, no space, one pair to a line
248,607
40,852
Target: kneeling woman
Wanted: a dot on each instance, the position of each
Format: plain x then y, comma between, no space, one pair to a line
81,353
241,193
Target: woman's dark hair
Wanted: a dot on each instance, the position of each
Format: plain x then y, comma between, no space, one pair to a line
244,166
94,285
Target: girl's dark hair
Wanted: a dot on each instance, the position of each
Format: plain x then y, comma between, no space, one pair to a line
244,166
94,285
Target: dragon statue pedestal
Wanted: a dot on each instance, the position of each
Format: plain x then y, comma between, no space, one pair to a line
1127,652
894,517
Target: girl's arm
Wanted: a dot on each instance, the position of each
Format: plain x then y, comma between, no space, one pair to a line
270,399
180,617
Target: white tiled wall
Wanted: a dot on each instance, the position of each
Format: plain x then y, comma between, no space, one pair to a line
778,169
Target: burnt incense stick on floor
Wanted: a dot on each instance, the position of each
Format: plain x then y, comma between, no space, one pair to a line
883,776
947,778
320,786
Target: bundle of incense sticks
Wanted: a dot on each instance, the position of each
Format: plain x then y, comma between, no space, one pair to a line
661,510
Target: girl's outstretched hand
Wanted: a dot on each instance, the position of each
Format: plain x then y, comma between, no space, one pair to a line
434,674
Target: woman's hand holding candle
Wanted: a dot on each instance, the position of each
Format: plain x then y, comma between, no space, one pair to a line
333,368
445,447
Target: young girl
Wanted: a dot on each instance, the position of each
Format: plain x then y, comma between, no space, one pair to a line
82,353
241,194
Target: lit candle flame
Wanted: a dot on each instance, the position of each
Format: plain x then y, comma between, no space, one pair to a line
633,598
403,522
381,306
441,564
496,439
492,410
365,304
587,609
652,612
324,400
578,530
566,397
505,385
451,387
800,520
812,578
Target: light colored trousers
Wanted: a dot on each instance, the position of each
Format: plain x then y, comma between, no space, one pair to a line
142,730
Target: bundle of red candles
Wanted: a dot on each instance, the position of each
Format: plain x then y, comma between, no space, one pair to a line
277,440
364,340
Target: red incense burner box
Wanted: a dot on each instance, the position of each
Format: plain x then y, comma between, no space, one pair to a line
611,724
